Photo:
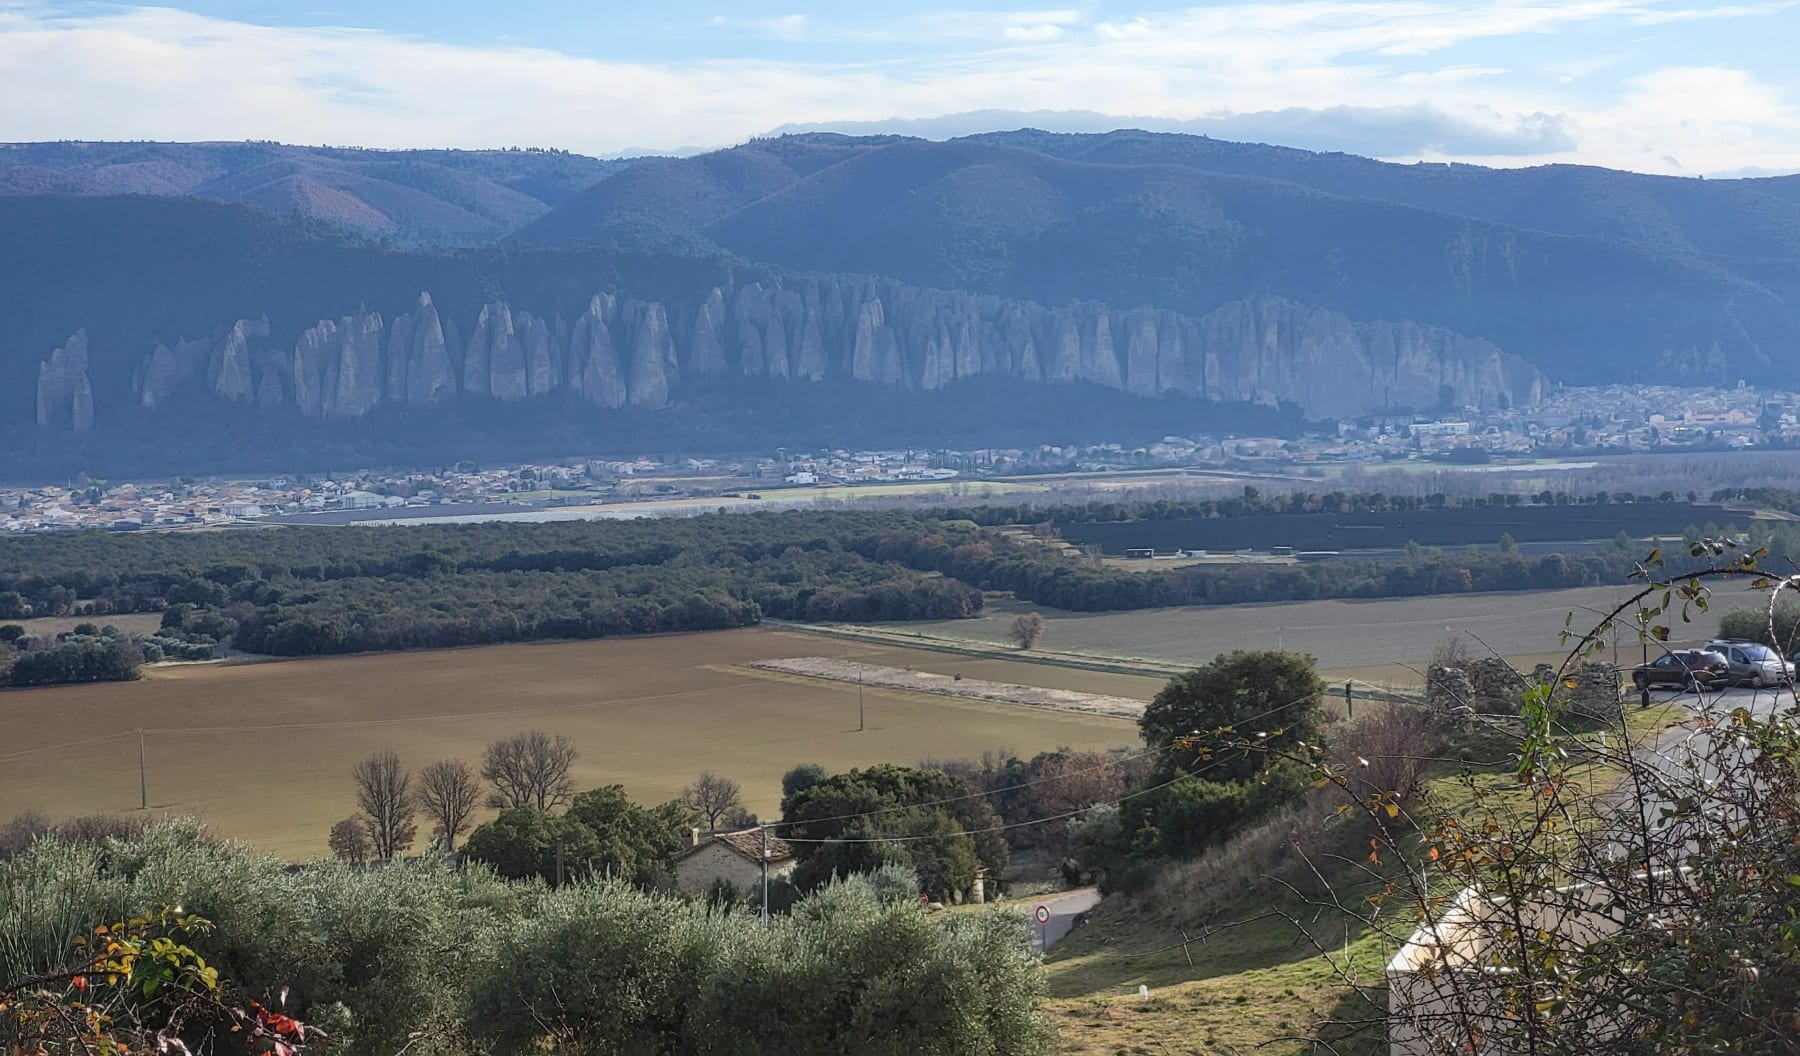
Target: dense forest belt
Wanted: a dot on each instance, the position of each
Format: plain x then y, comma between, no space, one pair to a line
299,591
305,591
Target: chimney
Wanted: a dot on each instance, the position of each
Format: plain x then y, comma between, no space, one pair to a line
694,836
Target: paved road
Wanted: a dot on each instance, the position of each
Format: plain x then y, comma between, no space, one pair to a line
1686,754
1761,702
1064,908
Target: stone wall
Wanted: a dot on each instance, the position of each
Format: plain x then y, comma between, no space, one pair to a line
1597,693
1448,689
1488,686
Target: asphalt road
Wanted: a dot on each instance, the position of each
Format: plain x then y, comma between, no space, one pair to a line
1064,908
1761,702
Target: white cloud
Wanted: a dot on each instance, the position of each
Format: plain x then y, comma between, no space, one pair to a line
1665,16
1035,33
160,73
785,27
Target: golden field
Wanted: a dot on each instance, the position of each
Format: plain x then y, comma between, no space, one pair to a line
263,750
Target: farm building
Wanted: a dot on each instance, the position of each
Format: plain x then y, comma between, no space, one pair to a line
734,858
1140,553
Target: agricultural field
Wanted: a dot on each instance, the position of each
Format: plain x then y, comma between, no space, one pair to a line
139,623
1391,530
1379,640
263,750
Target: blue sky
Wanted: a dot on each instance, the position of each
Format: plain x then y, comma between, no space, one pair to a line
1675,86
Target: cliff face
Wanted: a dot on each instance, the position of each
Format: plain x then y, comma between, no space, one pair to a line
65,397
619,351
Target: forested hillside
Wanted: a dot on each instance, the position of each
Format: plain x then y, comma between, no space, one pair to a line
1594,275
408,197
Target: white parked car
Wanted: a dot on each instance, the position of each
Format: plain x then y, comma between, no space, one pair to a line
1753,663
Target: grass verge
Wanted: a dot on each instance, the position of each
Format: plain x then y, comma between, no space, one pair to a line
1237,976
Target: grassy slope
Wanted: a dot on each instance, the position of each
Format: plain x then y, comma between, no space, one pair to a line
1259,986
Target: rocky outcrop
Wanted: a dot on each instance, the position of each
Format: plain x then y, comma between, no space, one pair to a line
620,352
230,371
160,377
430,372
540,361
593,361
65,397
1270,349
651,370
360,373
314,358
706,349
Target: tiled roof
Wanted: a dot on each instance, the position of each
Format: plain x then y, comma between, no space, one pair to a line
749,844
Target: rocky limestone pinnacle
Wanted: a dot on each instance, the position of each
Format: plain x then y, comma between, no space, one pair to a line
230,374
65,398
620,352
359,368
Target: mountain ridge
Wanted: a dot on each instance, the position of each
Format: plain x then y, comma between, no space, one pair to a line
1682,279
409,197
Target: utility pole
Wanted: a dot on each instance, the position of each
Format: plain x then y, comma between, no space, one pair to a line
860,714
143,780
764,829
559,863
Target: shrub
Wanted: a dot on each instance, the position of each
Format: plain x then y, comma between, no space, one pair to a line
421,955
1753,624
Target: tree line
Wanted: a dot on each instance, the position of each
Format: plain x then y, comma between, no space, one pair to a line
309,591
306,591
87,653
1253,501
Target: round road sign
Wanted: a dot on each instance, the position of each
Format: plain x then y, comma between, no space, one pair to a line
1043,914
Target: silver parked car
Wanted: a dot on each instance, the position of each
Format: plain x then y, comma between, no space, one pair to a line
1753,663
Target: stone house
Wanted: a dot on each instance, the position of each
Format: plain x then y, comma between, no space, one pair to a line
734,858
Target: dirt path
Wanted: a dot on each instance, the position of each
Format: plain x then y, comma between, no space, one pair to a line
953,686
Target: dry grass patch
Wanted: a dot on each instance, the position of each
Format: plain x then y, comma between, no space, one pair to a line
139,623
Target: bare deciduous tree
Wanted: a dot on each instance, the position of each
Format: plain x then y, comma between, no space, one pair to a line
712,797
1076,780
384,792
449,792
349,840
1027,630
529,769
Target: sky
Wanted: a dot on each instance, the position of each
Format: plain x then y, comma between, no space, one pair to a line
1670,86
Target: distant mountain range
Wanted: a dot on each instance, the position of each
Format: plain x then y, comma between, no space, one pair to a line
1593,274
1157,266
410,197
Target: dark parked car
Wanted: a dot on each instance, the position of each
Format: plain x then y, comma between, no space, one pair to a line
1687,668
